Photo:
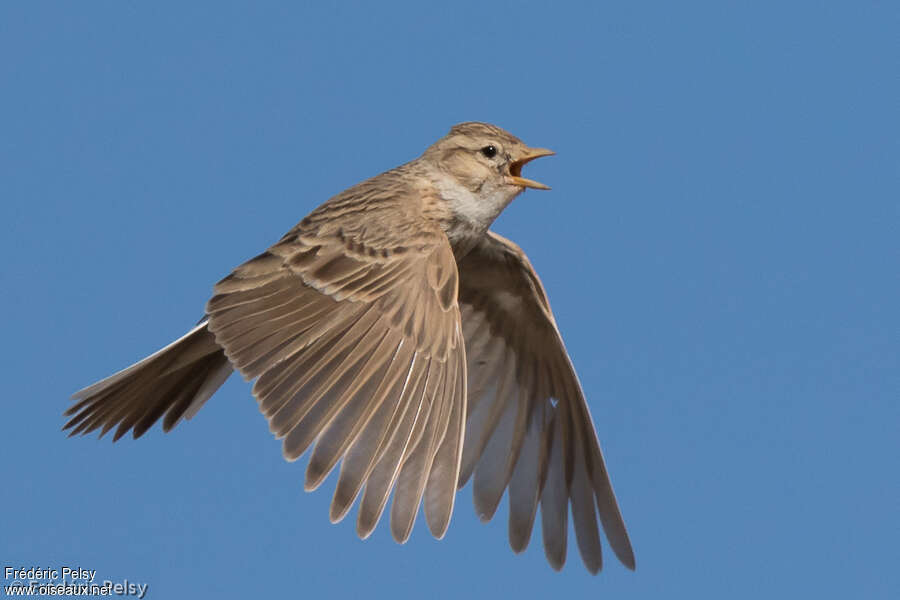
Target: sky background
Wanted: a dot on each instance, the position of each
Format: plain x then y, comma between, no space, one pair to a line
720,248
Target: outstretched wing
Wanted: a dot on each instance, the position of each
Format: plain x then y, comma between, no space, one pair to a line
528,427
356,347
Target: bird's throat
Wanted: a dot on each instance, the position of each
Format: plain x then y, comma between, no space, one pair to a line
471,213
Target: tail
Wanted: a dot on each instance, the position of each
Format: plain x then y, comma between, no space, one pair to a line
175,381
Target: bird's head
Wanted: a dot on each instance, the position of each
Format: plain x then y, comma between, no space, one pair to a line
480,156
479,170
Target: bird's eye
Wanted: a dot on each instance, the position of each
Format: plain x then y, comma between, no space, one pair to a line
489,151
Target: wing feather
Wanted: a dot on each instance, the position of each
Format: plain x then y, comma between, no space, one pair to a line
529,428
342,431
419,457
356,350
440,491
362,454
384,474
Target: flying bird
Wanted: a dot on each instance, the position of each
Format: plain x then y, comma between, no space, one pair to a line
393,332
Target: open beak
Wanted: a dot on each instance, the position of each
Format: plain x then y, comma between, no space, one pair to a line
515,169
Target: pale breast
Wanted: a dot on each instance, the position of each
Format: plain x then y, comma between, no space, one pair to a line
473,212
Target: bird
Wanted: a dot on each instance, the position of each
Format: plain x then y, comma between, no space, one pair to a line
392,331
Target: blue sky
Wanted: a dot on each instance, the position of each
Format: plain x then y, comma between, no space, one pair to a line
720,249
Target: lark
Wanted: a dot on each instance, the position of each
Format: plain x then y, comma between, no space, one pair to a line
393,332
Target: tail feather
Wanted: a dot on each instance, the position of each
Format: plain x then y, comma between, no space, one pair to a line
176,382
